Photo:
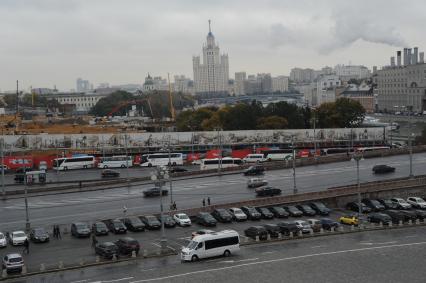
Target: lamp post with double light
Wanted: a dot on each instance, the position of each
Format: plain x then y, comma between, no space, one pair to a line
357,157
159,176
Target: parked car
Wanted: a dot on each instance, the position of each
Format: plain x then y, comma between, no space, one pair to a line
327,224
303,226
420,214
134,224
254,170
5,168
279,212
395,215
417,202
155,192
293,211
109,173
116,226
267,191
106,250
39,235
382,169
17,238
349,219
256,182
80,230
182,219
401,203
168,221
222,215
206,219
256,231
201,232
306,209
379,217
127,245
254,158
237,214
13,262
375,205
272,229
388,204
151,222
265,213
315,224
354,206
409,215
99,229
3,240
177,170
251,213
287,227
320,208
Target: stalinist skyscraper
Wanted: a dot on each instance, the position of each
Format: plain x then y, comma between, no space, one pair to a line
213,74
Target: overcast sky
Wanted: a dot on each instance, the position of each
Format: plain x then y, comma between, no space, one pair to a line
52,42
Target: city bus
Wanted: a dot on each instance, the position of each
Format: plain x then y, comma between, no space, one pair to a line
278,154
161,159
226,162
121,161
75,162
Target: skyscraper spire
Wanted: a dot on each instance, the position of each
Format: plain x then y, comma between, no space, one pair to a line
210,30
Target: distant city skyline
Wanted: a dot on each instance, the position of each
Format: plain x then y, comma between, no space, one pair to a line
49,43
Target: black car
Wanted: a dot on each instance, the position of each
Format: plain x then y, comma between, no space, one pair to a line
320,208
254,170
395,215
106,250
256,231
39,235
378,217
388,204
421,214
115,226
134,224
409,215
80,230
382,169
222,215
267,191
177,170
206,219
306,209
127,245
354,206
109,173
279,212
287,227
251,213
99,229
375,205
168,221
273,230
293,211
155,192
20,174
327,224
151,222
265,213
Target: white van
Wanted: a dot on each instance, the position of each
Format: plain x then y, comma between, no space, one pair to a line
209,245
254,158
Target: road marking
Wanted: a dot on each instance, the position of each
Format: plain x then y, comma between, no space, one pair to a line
411,236
117,280
150,269
275,260
265,253
383,243
320,246
242,260
80,281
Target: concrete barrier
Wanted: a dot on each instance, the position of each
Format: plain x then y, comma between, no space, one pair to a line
98,259
291,235
352,228
114,257
300,234
42,267
4,273
400,223
257,238
410,222
417,221
61,264
134,254
24,270
321,231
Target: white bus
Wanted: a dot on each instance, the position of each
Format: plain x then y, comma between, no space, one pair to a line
278,154
75,162
213,163
161,159
120,161
223,243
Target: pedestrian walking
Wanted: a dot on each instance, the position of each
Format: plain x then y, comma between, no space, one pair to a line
55,235
174,205
58,232
94,241
26,247
208,201
204,202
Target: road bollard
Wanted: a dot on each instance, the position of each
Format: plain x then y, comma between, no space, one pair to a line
341,229
114,257
24,269
372,225
291,235
246,239
134,254
280,236
81,262
4,273
65,230
352,228
321,231
300,233
390,224
381,224
268,237
257,238
311,232
42,267
145,253
98,259
410,222
417,221
61,264
400,223
332,229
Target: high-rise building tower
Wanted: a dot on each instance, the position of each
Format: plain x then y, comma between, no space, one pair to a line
212,75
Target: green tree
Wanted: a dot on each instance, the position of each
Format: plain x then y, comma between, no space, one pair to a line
343,113
107,104
291,112
272,122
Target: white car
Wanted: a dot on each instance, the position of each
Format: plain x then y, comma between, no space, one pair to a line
254,158
13,262
17,238
238,214
304,226
401,203
182,219
417,202
3,241
256,182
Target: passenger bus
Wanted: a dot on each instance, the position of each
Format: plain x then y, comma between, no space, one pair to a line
75,162
278,154
120,161
213,244
226,162
371,148
161,159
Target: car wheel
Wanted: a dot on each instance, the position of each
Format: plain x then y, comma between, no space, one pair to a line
194,258
123,166
174,163
85,166
226,253
65,168
105,166
149,165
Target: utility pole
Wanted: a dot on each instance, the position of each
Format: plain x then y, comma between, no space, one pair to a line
357,157
410,142
27,217
294,166
127,159
159,177
3,189
170,175
315,137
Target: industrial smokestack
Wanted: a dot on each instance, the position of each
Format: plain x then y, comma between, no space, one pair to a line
392,61
398,58
422,57
415,57
409,55
405,56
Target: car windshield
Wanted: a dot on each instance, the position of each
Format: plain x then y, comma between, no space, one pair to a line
192,245
319,205
100,225
279,209
374,202
238,211
182,216
151,218
19,234
15,259
81,226
292,208
1,236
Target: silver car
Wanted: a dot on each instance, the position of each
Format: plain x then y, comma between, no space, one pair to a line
13,262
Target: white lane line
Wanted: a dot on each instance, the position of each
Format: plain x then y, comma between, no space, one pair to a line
274,260
320,246
242,260
383,243
118,280
265,253
411,236
80,281
149,269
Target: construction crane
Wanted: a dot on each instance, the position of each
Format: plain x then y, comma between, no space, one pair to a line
131,102
172,108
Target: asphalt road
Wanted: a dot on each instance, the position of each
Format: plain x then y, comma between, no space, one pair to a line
89,206
378,256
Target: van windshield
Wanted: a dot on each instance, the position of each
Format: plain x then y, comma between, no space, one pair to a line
192,245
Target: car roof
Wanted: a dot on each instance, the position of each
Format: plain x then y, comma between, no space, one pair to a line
14,255
127,239
180,214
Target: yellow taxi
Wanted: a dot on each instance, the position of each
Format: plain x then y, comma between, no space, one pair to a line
349,220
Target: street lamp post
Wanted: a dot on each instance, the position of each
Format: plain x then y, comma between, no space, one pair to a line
294,166
3,189
410,141
27,217
315,137
159,176
219,138
170,175
357,157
